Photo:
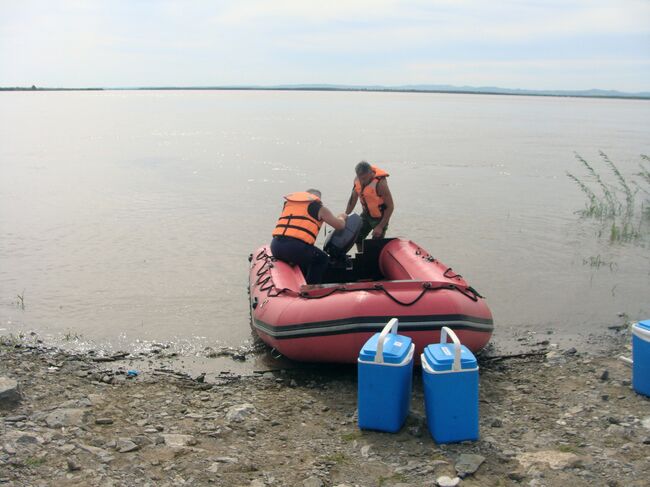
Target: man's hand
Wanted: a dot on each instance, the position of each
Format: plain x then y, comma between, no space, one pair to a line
336,222
377,231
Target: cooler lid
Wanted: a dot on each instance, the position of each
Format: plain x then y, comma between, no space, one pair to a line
396,348
645,325
440,357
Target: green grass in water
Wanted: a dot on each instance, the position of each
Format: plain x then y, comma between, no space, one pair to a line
621,204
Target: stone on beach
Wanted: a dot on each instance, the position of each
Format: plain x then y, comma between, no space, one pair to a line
445,481
73,466
66,417
15,419
9,391
126,445
174,440
467,464
646,422
312,482
556,460
238,414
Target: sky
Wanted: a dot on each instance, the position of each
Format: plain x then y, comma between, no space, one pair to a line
531,44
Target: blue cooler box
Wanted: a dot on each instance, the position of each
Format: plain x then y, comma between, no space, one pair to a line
450,375
385,375
641,357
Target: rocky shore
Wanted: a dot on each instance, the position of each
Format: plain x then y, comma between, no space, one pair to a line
550,417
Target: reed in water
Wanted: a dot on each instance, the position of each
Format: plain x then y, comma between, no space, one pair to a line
615,203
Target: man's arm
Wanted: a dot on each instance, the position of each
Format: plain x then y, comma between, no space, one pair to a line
336,222
384,192
352,202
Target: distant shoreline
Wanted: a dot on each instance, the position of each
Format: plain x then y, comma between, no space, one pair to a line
622,96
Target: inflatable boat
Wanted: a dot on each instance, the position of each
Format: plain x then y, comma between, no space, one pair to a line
391,278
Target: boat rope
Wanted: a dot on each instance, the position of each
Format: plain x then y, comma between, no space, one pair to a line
264,279
426,287
266,284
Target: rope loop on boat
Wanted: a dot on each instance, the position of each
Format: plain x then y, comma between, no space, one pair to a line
448,274
276,357
404,303
475,292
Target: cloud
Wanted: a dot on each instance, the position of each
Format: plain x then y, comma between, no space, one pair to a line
560,63
255,11
126,43
478,18
357,27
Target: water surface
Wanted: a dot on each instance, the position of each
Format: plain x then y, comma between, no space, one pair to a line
129,216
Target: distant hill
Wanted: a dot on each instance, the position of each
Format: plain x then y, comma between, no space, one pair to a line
484,90
36,88
494,90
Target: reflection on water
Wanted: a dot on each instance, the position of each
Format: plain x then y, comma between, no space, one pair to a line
129,216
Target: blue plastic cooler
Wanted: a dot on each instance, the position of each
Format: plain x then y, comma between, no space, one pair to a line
641,357
385,372
450,375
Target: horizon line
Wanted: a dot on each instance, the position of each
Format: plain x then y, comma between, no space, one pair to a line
415,88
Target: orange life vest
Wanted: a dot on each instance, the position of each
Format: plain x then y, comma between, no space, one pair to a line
295,220
372,203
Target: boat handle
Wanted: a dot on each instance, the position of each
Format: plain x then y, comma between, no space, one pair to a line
443,339
391,327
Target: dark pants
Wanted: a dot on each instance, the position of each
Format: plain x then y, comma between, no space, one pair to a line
368,225
312,260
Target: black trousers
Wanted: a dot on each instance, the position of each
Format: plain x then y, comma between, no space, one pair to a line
312,260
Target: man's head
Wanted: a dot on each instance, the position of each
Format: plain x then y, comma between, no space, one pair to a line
364,172
315,192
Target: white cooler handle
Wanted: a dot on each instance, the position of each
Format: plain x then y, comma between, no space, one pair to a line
391,327
642,333
443,339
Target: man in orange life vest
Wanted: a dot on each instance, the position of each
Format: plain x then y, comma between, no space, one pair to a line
295,233
371,187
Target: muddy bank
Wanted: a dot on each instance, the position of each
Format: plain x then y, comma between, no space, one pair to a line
553,417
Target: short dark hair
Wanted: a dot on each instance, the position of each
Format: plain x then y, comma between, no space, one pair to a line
363,168
313,191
